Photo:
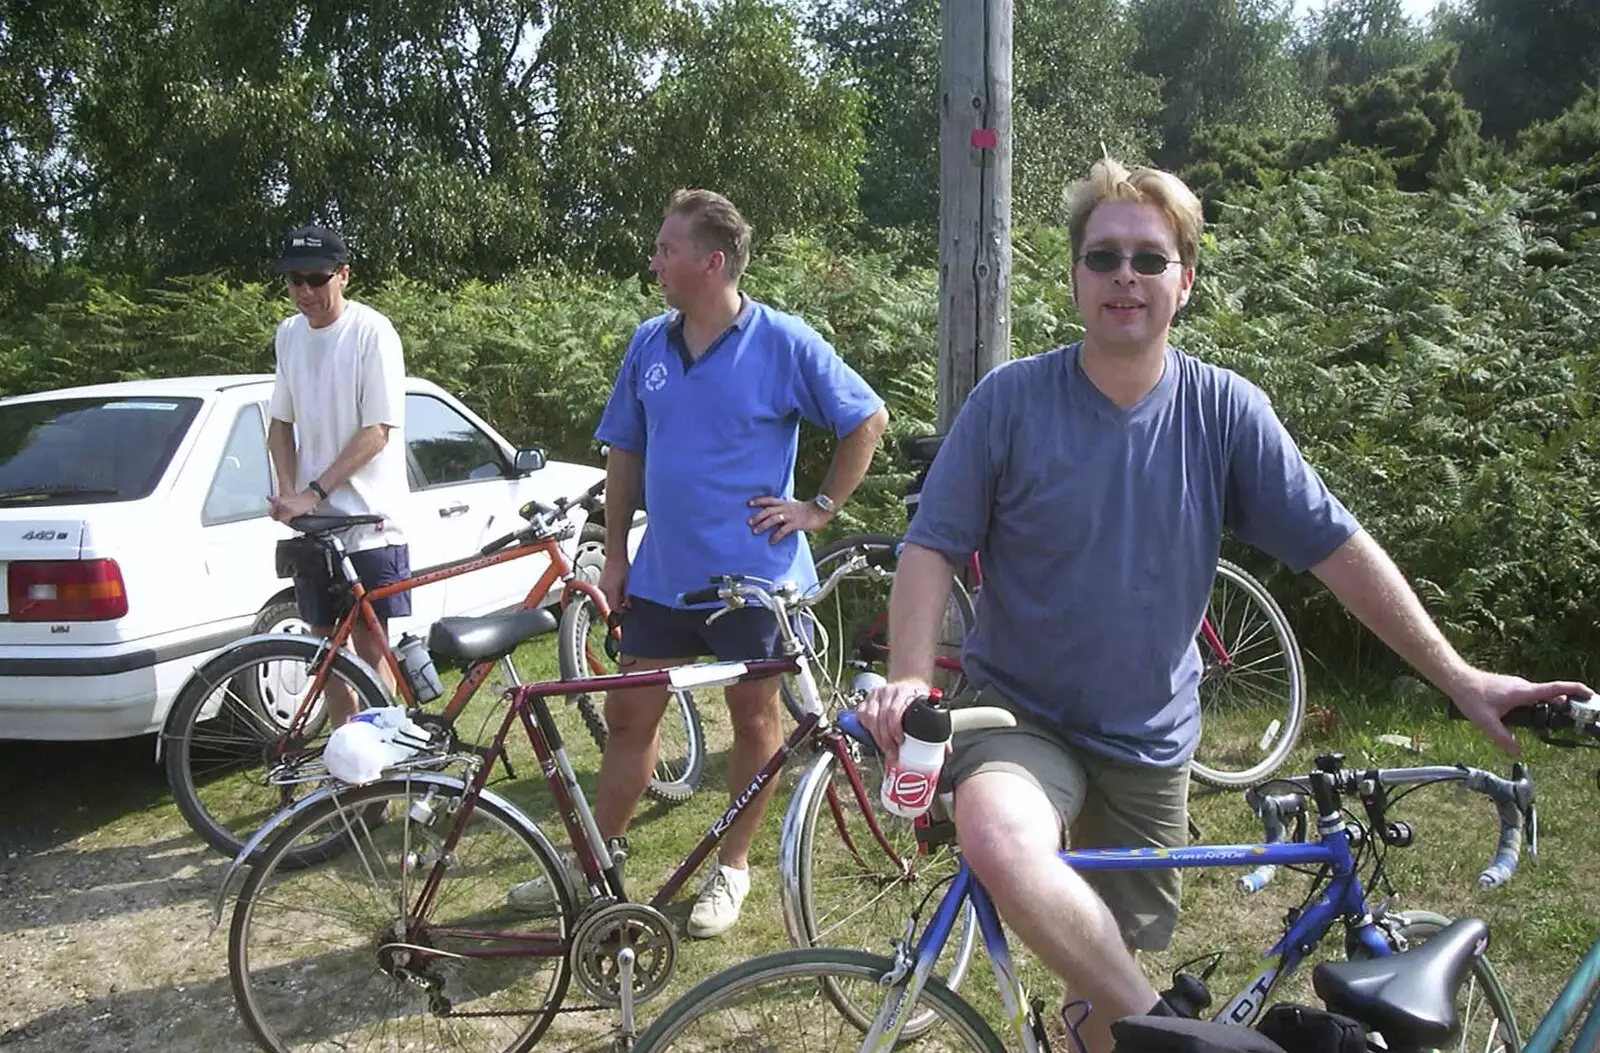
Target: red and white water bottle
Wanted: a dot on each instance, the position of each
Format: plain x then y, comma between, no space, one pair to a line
911,781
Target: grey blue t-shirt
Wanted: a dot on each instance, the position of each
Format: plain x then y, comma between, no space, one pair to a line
1098,530
718,430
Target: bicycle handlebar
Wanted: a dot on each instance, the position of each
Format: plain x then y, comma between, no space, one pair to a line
1513,798
738,590
541,517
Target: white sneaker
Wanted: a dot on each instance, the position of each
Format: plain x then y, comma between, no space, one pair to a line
537,898
717,906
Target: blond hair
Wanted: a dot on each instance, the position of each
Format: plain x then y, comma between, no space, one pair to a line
716,226
1110,180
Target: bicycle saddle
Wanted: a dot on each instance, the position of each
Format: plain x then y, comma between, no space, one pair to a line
1410,998
920,449
467,640
315,525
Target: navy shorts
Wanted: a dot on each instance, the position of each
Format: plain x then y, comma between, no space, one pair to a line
654,630
374,566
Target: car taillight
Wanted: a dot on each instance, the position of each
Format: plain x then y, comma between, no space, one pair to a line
65,590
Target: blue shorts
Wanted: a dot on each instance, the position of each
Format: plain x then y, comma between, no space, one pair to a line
654,630
374,566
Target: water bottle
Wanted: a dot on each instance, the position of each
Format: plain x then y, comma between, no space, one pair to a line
419,670
910,782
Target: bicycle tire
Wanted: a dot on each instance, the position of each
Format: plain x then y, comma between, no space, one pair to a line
1239,748
854,619
1420,924
184,752
270,989
809,967
681,755
816,814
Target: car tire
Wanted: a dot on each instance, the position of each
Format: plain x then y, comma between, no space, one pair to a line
278,616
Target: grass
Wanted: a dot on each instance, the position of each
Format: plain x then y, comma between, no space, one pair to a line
1539,923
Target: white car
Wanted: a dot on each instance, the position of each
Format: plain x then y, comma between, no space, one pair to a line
135,540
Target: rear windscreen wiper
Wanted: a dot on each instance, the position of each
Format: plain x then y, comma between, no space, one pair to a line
62,490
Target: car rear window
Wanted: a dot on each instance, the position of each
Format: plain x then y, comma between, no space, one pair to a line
88,450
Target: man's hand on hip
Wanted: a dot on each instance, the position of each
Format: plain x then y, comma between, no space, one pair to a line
785,517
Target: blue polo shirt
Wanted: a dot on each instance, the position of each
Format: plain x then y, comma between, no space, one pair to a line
719,430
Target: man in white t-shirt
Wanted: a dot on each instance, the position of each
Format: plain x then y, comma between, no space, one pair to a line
338,406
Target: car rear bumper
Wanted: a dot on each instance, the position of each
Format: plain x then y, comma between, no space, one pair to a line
91,693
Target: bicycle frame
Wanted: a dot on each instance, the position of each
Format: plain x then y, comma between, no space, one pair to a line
1582,991
362,610
1342,898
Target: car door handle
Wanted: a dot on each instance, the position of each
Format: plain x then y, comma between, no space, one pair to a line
453,510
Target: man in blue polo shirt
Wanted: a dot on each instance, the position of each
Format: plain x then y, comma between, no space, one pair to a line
703,423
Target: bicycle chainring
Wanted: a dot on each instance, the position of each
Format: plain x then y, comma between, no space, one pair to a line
602,933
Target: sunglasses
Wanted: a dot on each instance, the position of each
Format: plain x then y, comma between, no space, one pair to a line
316,281
1104,261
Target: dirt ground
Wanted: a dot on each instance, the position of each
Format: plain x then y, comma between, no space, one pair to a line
105,909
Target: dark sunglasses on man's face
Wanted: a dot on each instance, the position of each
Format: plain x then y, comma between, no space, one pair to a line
316,281
1104,261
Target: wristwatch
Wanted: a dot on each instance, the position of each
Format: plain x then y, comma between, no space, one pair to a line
826,503
316,488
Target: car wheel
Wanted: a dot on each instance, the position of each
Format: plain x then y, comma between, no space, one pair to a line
275,689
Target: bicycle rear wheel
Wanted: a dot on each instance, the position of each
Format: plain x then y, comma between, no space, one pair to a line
681,750
339,957
1252,684
854,619
777,1002
230,761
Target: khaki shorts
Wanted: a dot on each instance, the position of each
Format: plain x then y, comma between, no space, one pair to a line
1101,803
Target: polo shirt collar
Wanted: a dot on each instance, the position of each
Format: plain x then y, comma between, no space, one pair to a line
747,311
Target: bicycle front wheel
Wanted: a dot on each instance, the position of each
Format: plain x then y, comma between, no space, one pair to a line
1252,685
854,619
847,890
681,741
352,956
230,760
778,1002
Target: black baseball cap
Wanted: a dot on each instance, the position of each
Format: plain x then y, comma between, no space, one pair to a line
312,248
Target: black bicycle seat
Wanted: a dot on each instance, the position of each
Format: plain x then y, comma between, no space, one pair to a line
316,526
1409,998
466,640
921,449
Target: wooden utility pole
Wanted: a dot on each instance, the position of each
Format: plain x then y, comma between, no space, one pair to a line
974,197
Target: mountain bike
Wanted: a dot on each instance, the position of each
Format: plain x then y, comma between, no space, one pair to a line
245,733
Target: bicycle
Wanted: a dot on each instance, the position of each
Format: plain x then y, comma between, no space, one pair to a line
1252,686
457,964
799,980
245,731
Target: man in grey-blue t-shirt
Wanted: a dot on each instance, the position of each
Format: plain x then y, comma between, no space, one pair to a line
1098,530
1094,482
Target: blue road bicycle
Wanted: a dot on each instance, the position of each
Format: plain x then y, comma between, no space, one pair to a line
825,999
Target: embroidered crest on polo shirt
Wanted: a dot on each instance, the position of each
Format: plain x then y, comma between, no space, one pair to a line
655,378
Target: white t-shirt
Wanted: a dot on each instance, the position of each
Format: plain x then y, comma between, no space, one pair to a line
332,382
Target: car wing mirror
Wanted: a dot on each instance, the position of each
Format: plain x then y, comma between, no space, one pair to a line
530,460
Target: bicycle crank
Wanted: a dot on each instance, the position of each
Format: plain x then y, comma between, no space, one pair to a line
624,954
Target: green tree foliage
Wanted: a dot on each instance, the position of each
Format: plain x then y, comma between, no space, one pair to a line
1072,91
1220,62
1523,60
1352,41
1410,126
446,139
